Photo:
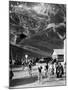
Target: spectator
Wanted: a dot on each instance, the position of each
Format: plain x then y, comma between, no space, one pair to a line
49,70
47,66
30,68
11,74
59,70
40,73
52,69
46,70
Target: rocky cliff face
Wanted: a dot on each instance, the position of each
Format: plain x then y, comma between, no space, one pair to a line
37,25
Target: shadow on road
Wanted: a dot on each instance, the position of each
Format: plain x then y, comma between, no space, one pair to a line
15,66
22,81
